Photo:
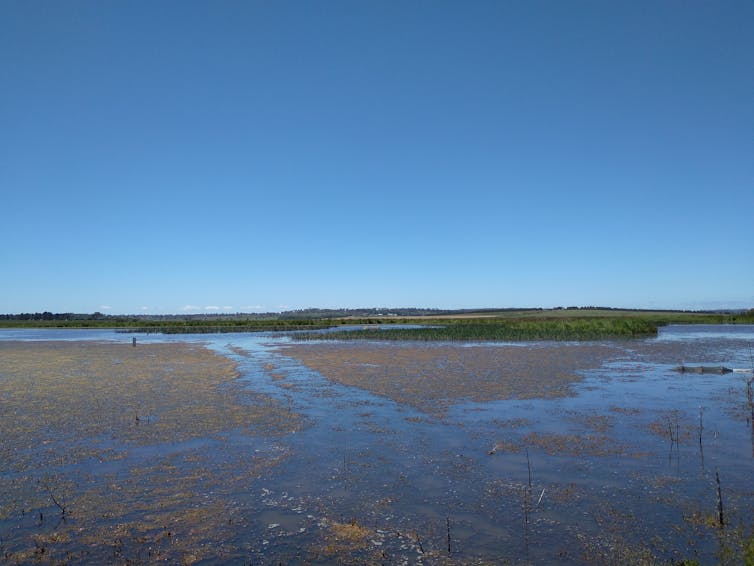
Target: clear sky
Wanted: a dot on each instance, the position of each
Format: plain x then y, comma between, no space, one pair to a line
182,156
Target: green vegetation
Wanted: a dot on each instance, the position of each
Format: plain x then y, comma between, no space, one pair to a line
570,323
536,324
505,330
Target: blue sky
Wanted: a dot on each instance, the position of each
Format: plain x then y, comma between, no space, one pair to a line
168,157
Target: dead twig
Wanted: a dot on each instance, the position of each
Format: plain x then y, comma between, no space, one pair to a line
53,498
720,516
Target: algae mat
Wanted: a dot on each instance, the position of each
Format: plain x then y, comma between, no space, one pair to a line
112,453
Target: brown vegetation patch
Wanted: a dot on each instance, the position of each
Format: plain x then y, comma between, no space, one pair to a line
599,423
54,393
564,494
673,426
432,377
573,444
350,533
124,452
626,411
505,446
518,422
348,543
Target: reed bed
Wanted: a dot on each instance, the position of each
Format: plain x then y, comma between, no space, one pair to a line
504,331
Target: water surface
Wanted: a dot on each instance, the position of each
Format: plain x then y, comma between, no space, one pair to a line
620,465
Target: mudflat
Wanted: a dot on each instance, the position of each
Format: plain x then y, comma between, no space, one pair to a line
256,449
431,377
112,452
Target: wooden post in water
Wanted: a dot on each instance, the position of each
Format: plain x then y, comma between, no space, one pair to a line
720,516
701,428
447,523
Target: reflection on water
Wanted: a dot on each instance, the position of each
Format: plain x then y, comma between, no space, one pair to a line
619,470
705,332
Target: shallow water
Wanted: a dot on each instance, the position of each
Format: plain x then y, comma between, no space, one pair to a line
610,469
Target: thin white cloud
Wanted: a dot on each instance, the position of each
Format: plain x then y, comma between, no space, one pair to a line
190,308
105,307
211,308
227,308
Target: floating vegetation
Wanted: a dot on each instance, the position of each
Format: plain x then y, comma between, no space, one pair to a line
672,426
346,538
573,444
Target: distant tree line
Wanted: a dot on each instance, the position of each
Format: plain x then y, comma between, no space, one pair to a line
300,314
317,314
46,316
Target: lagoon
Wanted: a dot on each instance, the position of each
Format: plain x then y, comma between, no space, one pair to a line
576,453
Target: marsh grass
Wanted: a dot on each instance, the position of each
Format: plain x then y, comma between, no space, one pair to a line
311,319
493,329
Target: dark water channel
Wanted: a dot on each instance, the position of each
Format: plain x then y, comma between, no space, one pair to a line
633,467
